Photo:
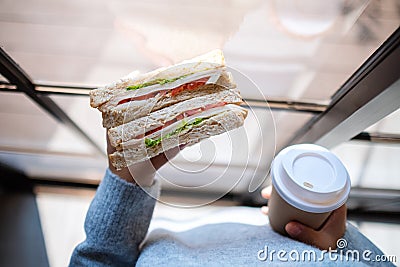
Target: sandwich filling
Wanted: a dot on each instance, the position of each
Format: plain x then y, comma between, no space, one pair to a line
186,125
182,116
154,82
192,121
190,86
181,123
172,87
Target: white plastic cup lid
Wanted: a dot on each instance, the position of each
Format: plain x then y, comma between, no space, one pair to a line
310,178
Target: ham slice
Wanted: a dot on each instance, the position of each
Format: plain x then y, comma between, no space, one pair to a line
181,116
193,85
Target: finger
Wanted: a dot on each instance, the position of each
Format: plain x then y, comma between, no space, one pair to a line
336,223
326,237
182,146
170,154
264,210
303,233
266,192
159,160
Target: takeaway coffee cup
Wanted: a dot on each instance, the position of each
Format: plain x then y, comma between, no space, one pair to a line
308,183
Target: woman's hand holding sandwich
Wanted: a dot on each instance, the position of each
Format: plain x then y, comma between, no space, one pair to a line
142,173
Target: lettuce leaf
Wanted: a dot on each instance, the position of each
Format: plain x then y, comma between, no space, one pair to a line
153,142
157,81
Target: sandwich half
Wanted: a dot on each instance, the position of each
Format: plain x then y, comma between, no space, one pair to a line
181,104
134,97
189,131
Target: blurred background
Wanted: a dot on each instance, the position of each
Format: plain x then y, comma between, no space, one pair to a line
324,72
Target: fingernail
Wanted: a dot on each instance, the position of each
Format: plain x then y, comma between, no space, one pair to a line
264,209
264,191
293,229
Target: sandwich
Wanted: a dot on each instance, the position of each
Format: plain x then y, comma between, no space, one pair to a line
134,97
181,104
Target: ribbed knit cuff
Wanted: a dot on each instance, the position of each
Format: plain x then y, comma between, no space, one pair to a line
111,179
120,213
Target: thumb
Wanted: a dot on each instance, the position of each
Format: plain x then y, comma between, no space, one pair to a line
326,237
160,160
303,233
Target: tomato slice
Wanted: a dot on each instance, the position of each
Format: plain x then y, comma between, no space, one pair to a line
193,85
142,97
189,86
181,116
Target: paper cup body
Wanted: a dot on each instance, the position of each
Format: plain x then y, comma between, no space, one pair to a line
309,182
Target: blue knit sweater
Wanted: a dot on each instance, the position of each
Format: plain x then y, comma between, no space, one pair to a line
119,216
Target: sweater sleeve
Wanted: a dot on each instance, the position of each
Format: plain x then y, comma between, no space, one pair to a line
116,223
